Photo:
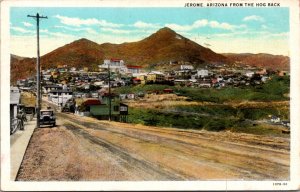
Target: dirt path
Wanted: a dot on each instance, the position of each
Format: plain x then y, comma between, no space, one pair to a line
82,148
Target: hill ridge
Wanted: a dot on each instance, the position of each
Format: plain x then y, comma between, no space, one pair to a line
158,49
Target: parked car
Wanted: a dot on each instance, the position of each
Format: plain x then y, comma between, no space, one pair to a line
47,117
68,107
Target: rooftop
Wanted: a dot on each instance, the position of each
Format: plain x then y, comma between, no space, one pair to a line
134,67
115,59
61,91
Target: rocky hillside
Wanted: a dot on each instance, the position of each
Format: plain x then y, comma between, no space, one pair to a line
274,62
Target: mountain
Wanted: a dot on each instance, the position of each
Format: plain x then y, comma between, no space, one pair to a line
156,50
21,67
16,57
159,48
80,53
162,47
274,62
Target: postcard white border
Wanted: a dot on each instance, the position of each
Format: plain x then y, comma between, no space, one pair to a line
6,184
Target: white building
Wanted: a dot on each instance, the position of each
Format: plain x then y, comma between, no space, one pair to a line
60,97
47,88
219,78
46,77
14,101
186,67
115,65
264,78
249,73
134,70
275,119
202,73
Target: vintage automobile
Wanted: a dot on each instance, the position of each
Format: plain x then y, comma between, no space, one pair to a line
47,117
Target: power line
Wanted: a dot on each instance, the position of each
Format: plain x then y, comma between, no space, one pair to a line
38,17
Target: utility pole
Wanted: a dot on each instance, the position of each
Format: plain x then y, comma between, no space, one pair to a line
109,98
38,83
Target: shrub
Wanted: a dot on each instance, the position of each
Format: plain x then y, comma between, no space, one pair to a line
219,124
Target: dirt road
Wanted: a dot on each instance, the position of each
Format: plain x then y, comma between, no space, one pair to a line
82,148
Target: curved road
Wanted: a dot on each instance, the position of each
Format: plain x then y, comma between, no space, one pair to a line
82,148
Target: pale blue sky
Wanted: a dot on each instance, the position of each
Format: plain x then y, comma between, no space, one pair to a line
221,29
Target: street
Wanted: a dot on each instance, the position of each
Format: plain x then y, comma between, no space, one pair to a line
83,148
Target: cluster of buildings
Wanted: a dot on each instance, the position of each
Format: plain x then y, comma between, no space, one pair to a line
86,92
20,106
278,121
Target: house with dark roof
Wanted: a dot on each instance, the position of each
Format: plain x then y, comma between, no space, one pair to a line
99,108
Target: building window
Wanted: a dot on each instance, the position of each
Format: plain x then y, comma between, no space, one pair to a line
116,108
123,108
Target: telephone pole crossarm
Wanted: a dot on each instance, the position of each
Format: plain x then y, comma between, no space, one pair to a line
38,16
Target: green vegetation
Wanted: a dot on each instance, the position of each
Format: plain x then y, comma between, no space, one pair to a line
246,127
158,118
217,116
208,110
226,111
276,86
163,119
273,90
262,113
228,94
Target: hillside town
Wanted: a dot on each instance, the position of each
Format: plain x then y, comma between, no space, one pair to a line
148,94
86,93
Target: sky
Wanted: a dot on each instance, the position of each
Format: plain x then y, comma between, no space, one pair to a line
224,30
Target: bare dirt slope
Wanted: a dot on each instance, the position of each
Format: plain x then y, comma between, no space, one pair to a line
82,148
